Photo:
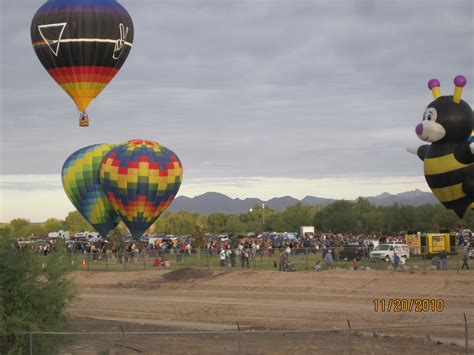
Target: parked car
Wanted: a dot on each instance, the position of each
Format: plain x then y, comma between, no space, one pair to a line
351,251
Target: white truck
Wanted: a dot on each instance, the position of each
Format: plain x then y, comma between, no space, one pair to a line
306,231
387,251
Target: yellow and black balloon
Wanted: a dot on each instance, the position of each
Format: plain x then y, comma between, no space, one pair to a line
448,160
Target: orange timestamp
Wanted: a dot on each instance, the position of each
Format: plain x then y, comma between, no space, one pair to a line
408,305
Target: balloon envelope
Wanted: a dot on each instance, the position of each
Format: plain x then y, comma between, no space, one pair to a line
80,176
141,179
82,44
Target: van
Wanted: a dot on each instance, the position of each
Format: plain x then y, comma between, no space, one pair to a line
387,251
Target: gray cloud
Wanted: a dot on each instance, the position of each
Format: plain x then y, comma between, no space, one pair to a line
249,88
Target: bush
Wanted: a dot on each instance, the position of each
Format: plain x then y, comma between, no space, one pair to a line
34,292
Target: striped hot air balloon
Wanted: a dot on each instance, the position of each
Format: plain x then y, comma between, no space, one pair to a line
80,176
141,179
82,44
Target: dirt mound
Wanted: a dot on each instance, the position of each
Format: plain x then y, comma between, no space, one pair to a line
188,274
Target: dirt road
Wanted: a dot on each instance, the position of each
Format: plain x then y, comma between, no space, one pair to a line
191,299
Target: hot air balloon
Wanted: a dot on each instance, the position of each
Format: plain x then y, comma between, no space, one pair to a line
82,44
448,160
80,176
141,179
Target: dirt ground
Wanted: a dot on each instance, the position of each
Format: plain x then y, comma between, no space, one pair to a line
199,300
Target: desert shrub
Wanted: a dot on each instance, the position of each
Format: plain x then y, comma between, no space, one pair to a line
34,292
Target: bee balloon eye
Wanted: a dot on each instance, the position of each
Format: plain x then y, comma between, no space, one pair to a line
430,114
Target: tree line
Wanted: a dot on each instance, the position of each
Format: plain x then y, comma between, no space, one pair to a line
342,216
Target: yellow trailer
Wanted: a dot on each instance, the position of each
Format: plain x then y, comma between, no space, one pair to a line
429,244
435,243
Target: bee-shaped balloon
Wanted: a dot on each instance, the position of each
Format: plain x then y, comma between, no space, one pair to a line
447,125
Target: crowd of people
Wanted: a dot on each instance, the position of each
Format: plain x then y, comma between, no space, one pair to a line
231,252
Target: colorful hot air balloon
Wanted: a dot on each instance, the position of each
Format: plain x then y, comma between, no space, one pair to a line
449,159
80,176
141,179
82,44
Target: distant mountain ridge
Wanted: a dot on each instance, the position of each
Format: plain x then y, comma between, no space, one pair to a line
211,202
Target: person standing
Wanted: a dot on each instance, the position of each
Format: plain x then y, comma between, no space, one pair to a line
444,261
283,261
328,259
396,261
246,254
222,257
354,264
232,257
465,262
228,253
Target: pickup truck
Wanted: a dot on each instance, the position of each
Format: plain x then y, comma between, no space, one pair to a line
387,251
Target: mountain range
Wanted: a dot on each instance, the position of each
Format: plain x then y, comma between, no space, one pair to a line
216,202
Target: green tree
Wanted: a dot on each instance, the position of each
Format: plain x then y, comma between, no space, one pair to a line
5,230
363,209
54,225
76,223
183,222
296,216
374,221
38,230
34,294
20,227
338,217
216,222
253,219
234,225
261,218
120,230
200,225
162,224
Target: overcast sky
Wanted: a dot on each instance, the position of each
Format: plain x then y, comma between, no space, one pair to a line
257,98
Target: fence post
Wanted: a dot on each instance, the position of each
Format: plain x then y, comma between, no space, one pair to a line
143,256
123,339
185,258
207,255
466,334
239,345
424,258
106,260
457,259
349,330
305,260
31,342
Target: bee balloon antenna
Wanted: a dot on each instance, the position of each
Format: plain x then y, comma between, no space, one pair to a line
434,86
459,82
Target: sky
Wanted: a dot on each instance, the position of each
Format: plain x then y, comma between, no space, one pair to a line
260,98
